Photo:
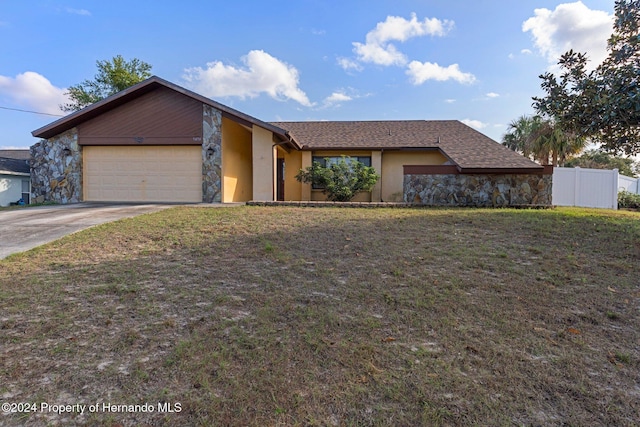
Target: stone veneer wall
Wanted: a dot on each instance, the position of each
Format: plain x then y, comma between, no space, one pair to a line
478,190
211,154
56,169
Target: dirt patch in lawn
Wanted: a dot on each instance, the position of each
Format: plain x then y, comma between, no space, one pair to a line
293,316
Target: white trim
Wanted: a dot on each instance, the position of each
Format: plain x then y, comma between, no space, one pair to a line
14,173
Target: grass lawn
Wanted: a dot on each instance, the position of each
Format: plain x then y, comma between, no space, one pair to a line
319,317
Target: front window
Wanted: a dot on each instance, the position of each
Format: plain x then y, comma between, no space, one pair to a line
329,160
326,161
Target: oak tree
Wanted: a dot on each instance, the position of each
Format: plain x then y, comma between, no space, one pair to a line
602,104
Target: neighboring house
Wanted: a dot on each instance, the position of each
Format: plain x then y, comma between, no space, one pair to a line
14,177
158,142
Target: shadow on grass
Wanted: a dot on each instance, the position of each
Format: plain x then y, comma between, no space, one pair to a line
262,316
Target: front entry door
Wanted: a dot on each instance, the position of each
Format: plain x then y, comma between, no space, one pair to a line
280,179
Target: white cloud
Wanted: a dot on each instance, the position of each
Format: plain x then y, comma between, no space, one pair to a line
379,54
522,52
570,26
35,91
477,124
83,12
337,97
421,72
493,95
450,101
262,74
341,96
349,64
377,48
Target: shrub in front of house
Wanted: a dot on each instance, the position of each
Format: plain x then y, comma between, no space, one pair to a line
341,179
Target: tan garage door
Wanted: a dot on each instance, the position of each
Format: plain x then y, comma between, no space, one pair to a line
142,174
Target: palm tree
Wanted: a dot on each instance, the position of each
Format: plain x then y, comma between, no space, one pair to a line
518,135
542,140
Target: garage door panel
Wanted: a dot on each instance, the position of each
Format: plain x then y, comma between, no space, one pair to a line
142,174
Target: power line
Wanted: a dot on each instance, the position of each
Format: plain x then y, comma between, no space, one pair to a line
32,112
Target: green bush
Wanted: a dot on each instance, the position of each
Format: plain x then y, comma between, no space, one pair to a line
340,180
628,200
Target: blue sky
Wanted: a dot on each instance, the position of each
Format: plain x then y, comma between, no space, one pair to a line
293,60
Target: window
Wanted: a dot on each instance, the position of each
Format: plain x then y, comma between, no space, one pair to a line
365,160
26,191
329,160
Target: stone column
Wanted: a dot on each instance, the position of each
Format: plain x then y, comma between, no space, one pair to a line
211,154
56,169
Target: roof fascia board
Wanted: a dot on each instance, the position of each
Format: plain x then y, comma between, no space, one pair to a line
540,170
371,148
456,170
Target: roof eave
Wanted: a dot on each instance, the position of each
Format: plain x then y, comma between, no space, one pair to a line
539,170
368,148
73,119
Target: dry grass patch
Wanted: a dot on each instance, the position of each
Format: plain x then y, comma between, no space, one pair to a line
293,316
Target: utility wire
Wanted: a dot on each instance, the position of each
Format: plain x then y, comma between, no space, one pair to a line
32,112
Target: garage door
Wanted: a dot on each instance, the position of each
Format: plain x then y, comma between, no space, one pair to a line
142,174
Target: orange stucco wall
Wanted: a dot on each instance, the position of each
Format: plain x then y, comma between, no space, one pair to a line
393,174
237,177
388,164
264,158
292,164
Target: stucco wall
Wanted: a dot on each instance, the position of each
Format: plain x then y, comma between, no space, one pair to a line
478,190
392,170
211,154
236,163
56,169
292,164
376,163
389,165
10,188
263,164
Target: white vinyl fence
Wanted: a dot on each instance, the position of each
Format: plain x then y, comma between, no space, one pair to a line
626,183
589,188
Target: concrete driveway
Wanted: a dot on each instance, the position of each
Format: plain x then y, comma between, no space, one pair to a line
23,229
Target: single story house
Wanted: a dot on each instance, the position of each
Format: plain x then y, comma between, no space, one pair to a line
14,177
159,142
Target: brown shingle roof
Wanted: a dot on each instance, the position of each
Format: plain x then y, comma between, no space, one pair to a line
466,147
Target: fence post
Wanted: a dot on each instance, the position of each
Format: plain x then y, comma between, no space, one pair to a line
576,187
615,189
